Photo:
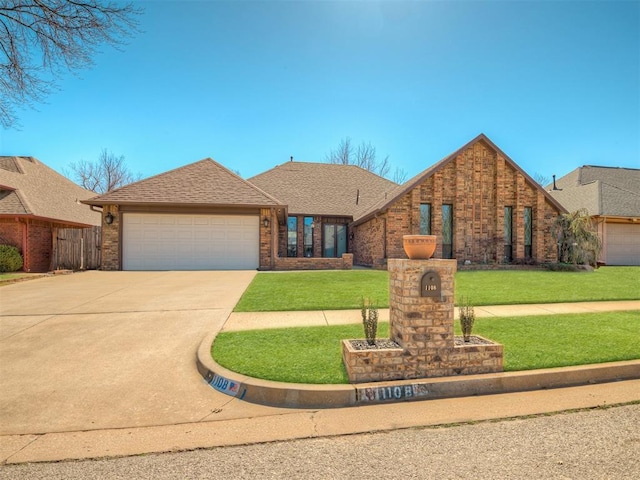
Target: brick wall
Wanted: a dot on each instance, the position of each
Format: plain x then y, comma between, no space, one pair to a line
111,239
40,245
36,254
268,240
11,232
479,183
314,263
370,243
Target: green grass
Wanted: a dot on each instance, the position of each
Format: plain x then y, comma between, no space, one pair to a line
6,278
297,355
563,340
272,292
539,286
290,291
313,354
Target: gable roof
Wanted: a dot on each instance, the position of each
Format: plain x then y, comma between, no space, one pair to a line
410,184
28,187
324,188
604,191
203,183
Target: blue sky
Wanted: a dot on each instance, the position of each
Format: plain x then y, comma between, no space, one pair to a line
555,85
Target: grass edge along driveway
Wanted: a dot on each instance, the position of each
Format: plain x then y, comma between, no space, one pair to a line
344,289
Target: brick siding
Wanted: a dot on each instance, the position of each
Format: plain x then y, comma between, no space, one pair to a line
479,183
111,239
314,263
37,252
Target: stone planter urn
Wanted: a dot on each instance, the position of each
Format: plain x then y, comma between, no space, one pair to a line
419,247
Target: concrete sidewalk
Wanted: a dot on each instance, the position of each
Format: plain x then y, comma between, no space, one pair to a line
257,320
299,424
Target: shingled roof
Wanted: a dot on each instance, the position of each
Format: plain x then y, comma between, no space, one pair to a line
406,187
29,188
323,188
203,183
604,191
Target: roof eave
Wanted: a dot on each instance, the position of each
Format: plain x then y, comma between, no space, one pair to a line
101,203
30,216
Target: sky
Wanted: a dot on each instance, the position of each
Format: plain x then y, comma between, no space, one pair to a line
554,84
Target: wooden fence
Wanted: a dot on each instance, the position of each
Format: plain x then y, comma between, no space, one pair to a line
76,248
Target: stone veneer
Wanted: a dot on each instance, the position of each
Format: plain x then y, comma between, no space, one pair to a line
423,329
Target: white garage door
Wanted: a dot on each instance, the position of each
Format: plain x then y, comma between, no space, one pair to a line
623,244
190,242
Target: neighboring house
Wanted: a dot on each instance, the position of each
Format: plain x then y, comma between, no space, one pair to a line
34,202
197,217
612,198
298,215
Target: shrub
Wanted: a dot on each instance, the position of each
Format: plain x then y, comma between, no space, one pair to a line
10,259
369,321
467,319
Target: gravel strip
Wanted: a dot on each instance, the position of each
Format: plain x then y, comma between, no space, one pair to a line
593,444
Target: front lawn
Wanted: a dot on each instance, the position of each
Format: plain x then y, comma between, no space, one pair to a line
339,290
291,291
314,355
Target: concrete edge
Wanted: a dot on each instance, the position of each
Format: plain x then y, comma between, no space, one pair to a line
300,395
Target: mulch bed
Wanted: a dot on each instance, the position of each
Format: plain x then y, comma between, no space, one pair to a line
386,343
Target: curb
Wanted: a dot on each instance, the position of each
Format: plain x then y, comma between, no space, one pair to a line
301,395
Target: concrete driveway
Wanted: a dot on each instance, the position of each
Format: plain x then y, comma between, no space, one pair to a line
98,350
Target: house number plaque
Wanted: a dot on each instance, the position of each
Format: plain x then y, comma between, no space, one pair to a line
430,285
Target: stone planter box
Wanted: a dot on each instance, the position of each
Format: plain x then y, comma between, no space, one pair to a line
372,365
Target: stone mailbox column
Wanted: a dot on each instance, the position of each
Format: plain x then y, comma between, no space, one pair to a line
421,310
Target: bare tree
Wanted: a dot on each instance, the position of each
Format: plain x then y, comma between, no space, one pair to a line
343,154
364,156
107,173
541,179
40,39
399,175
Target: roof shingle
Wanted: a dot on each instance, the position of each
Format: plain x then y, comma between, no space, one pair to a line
29,187
324,188
605,191
201,183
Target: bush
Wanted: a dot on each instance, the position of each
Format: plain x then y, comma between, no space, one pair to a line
10,259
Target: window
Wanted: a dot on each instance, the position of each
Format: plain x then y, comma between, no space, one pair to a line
508,234
292,237
334,240
308,236
447,231
528,232
425,219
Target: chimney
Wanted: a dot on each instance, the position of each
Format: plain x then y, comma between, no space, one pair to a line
554,183
357,196
291,160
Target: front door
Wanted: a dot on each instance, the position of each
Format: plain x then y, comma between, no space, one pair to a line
335,240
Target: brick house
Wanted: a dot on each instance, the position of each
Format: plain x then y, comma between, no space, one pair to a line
480,204
300,215
322,201
612,197
34,202
197,217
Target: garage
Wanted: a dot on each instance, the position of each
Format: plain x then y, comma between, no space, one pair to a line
622,244
159,241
